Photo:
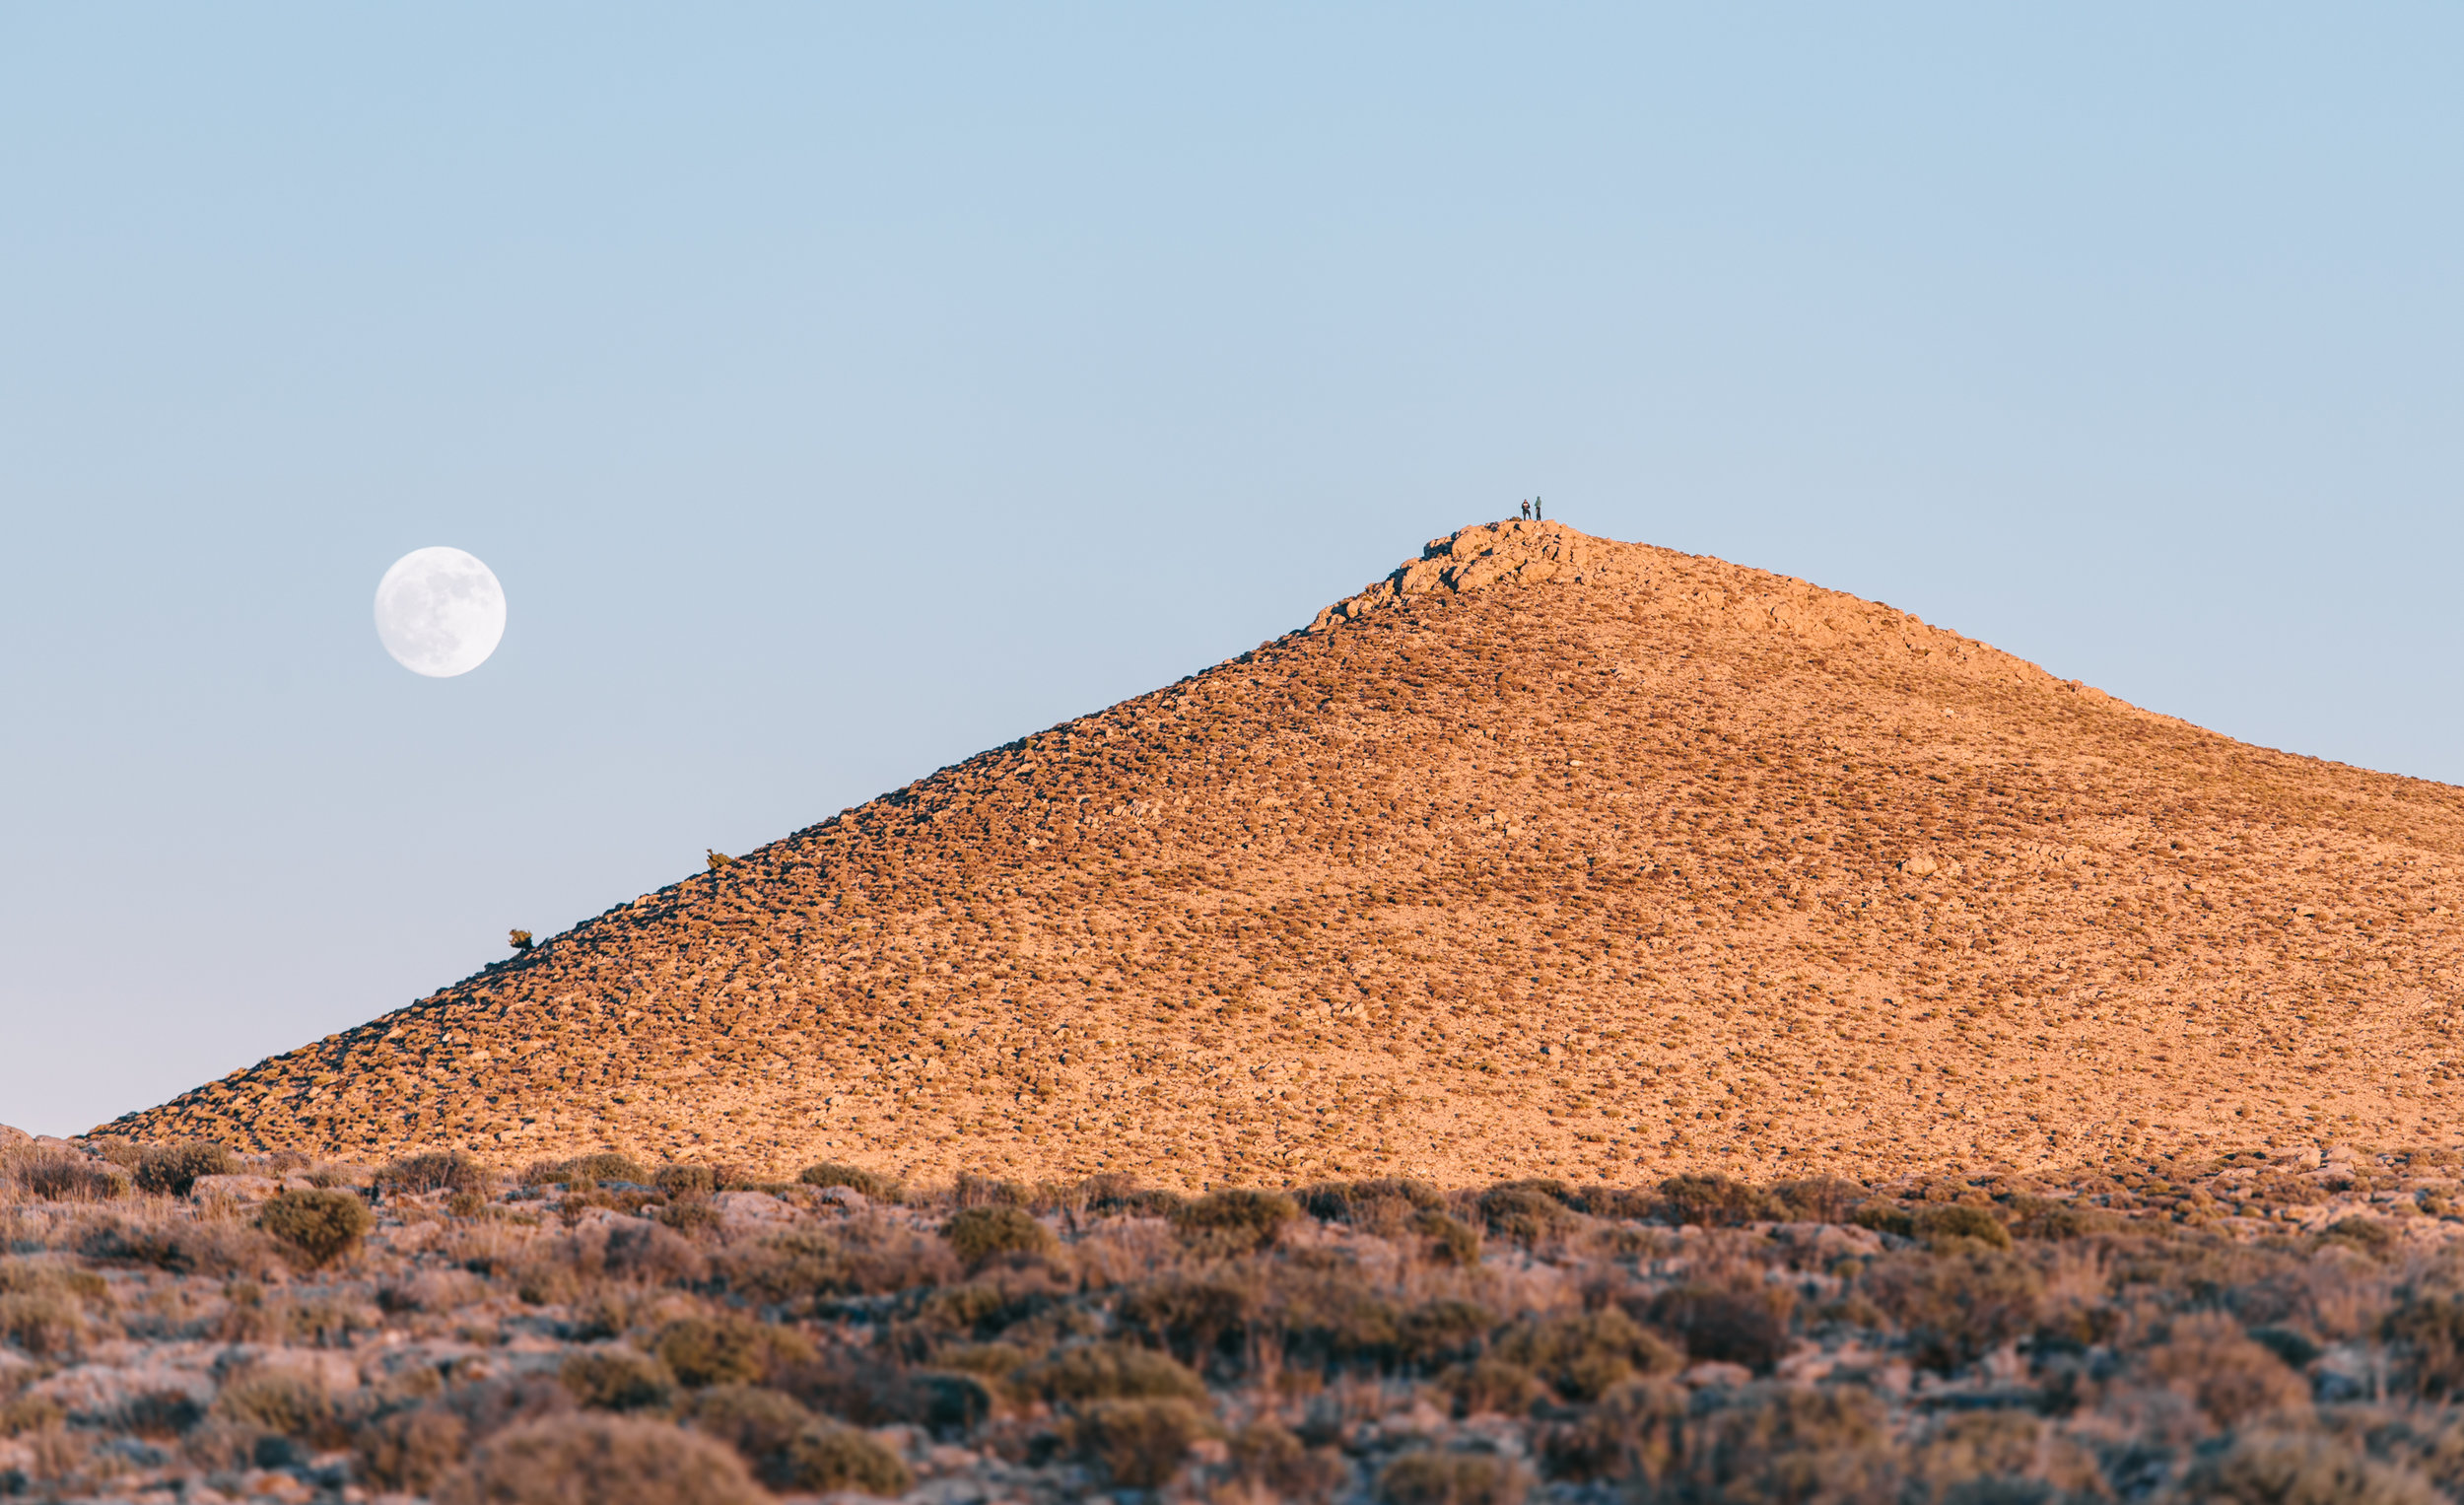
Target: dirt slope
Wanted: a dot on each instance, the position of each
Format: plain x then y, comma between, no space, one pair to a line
1547,854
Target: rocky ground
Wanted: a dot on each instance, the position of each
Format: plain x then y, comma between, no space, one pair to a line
1546,856
180,1324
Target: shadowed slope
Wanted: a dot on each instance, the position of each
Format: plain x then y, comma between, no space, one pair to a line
1546,854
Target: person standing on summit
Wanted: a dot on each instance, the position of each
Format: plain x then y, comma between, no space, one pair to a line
1526,509
1535,510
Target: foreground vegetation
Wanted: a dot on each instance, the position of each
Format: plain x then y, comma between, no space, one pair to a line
182,1323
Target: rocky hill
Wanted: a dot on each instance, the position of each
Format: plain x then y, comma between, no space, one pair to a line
1546,854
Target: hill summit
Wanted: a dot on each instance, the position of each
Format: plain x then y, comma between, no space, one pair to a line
1546,855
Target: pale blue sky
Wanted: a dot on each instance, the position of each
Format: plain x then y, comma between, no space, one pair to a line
838,393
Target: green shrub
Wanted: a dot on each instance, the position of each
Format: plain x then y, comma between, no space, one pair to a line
1712,1200
2266,1470
1139,1443
826,1457
979,1234
1450,1478
1237,1220
1583,1356
183,1248
617,1380
171,1170
407,1451
316,1228
2368,1235
726,1349
1111,1372
879,1188
1451,1240
600,1459
435,1171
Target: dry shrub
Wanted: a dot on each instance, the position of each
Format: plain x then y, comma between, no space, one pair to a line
1196,1320
648,1253
1112,1372
46,1324
435,1171
686,1180
2210,1359
2272,1469
1786,1443
1819,1199
1630,1434
1728,1324
434,1291
760,1424
878,1258
1957,1306
1452,1479
1491,1387
316,1227
1443,1329
600,1459
1711,1200
862,1181
1378,1206
65,1176
283,1402
826,1459
1270,1460
973,1190
617,1380
1968,1457
726,1349
979,1234
1451,1241
1525,1212
409,1451
2427,1330
183,1248
2057,1221
861,1389
783,1267
1237,1220
1139,1443
585,1170
1583,1356
171,1170
160,1414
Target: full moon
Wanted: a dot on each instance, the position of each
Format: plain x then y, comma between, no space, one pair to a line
439,611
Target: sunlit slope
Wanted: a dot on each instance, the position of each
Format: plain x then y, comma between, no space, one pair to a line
1548,856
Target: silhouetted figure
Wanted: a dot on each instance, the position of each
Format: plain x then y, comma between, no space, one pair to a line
1535,510
1527,510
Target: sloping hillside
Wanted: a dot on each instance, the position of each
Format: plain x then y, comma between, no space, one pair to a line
1546,854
